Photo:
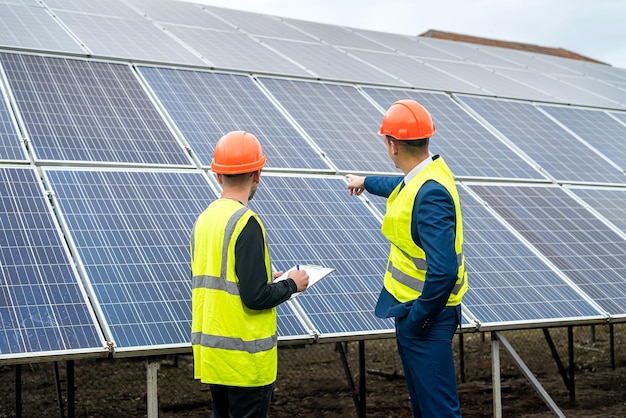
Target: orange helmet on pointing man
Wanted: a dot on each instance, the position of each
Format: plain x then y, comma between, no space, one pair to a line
407,120
238,152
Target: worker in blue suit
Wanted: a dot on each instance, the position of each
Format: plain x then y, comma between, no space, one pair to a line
425,278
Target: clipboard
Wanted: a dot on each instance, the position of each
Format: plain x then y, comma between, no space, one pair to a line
316,273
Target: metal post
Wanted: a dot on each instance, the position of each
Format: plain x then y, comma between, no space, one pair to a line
495,376
572,371
18,391
71,407
462,357
152,393
57,380
362,378
612,345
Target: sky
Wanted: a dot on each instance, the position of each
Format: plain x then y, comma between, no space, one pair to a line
594,28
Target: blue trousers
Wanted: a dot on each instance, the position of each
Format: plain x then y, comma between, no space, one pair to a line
428,364
238,402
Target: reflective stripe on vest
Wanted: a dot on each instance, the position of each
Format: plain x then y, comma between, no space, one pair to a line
420,264
229,343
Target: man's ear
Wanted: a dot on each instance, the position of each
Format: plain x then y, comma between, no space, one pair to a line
257,176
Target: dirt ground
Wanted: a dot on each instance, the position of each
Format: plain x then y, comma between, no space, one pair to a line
312,382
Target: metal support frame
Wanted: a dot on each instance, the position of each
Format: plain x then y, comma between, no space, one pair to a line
566,374
357,396
498,339
461,357
70,383
152,393
612,345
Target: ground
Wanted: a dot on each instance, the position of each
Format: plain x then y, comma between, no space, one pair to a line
312,381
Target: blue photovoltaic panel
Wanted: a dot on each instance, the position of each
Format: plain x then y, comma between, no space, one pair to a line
43,307
579,244
339,119
508,282
597,128
611,203
313,220
466,145
76,110
558,152
132,232
10,145
206,105
620,115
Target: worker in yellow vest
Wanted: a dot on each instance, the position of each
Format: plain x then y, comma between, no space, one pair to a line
234,298
425,279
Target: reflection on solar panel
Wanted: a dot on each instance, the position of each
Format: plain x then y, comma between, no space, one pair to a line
572,238
339,119
43,307
554,149
467,146
131,231
597,128
133,37
313,220
76,110
205,106
10,148
508,282
325,61
620,115
34,28
611,203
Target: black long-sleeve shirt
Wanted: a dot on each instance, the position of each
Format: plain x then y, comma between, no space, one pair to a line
256,292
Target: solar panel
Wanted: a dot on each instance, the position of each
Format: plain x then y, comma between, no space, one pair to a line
34,28
555,150
131,231
179,13
327,62
562,92
610,203
10,144
620,116
133,38
470,52
586,250
258,24
597,128
334,35
404,44
415,73
510,284
76,110
313,220
489,80
235,50
598,87
204,106
467,146
43,307
342,122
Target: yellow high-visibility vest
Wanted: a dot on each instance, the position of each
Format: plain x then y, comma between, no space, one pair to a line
406,267
232,344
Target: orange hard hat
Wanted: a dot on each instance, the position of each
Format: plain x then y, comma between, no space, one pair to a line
238,152
407,120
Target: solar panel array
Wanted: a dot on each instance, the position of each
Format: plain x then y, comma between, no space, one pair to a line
112,111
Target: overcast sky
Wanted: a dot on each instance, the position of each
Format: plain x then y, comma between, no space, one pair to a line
594,28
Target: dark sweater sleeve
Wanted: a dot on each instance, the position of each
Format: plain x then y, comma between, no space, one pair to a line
256,292
381,185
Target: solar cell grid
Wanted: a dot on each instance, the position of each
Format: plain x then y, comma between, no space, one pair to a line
43,307
342,122
313,220
595,127
205,106
467,146
558,152
609,202
508,282
571,237
10,145
131,232
76,110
